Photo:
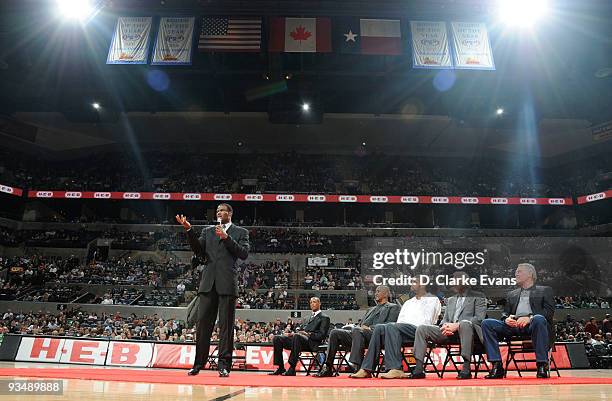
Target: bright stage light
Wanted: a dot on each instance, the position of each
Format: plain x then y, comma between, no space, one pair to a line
75,9
521,13
96,105
499,111
305,107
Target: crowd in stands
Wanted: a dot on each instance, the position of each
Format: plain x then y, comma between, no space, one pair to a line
74,322
301,173
337,279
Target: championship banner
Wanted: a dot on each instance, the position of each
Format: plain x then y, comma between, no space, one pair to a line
430,48
174,41
471,46
130,44
179,196
11,190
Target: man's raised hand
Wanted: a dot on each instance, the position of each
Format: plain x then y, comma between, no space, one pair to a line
182,220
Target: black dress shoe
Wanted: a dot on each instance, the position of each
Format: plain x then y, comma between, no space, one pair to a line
289,372
325,371
542,371
223,373
417,375
277,372
464,375
193,371
497,372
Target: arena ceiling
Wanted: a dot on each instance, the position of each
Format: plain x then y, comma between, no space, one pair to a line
547,83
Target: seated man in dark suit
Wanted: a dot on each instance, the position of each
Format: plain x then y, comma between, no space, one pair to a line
463,315
529,310
359,336
311,335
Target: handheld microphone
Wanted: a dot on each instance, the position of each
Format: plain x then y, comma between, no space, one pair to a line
219,221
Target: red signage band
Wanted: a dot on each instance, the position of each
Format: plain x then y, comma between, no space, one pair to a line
11,190
312,198
143,354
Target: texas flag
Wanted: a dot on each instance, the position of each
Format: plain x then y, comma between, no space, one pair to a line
300,35
368,36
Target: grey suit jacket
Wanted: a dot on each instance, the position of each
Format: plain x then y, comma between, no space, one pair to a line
385,314
474,310
221,256
540,299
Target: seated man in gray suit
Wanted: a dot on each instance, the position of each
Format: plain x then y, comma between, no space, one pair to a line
359,336
463,316
529,311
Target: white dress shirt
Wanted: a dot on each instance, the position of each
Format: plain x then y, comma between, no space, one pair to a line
420,311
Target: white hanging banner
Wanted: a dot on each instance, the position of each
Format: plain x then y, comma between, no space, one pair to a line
471,46
130,44
430,48
174,41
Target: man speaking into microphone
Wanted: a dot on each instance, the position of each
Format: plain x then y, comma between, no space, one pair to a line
221,245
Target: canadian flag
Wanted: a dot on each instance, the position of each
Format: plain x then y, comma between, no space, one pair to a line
300,35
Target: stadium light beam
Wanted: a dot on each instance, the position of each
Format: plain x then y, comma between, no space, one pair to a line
305,107
522,13
75,9
96,105
499,111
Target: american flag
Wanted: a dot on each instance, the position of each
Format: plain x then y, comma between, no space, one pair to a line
226,34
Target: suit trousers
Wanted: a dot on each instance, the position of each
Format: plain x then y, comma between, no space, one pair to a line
337,338
296,343
465,334
493,330
395,335
211,305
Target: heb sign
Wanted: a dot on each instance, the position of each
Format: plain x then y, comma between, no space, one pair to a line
192,196
253,197
379,199
161,196
102,195
469,200
596,197
285,198
222,197
6,189
439,199
316,198
169,355
347,198
131,195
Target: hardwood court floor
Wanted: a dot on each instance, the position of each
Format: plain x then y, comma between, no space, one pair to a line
82,390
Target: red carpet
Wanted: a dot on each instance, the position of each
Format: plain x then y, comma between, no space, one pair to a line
263,380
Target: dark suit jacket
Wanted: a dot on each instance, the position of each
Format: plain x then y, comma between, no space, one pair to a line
387,313
474,309
540,298
220,255
318,328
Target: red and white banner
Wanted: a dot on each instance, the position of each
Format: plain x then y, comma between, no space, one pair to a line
595,197
381,36
171,355
300,35
177,196
123,353
11,190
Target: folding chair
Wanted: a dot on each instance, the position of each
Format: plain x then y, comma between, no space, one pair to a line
521,346
310,360
453,351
